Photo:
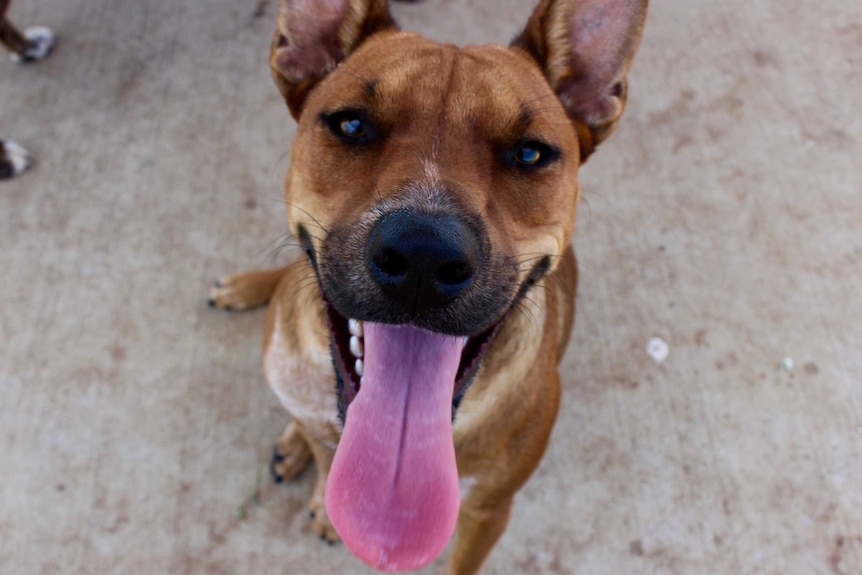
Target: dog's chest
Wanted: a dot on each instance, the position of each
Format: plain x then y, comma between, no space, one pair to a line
302,380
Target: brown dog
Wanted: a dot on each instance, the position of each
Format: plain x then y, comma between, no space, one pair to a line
433,189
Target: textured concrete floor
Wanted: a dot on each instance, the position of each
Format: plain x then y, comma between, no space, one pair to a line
723,217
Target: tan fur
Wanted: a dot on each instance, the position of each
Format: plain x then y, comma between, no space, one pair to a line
441,105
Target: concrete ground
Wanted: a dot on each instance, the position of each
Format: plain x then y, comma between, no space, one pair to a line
724,217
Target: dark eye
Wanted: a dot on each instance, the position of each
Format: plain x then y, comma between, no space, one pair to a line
532,154
528,155
349,125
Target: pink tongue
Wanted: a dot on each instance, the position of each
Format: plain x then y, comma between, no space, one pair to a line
392,493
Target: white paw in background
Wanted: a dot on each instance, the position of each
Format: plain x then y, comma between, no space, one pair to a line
18,157
44,40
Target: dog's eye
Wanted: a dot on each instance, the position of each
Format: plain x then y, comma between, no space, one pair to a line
349,125
528,155
531,155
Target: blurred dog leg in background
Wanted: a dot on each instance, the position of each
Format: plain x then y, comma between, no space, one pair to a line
33,44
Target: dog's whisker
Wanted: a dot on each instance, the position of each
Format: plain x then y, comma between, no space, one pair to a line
558,280
522,309
278,161
378,192
531,257
299,287
307,213
278,242
583,198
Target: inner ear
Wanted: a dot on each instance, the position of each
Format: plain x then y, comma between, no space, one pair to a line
308,38
314,36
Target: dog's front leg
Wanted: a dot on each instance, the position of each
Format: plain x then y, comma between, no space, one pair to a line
320,520
246,290
480,525
13,39
290,455
9,36
493,470
34,44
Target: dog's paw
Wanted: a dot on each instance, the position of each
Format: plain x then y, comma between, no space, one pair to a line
236,293
290,455
320,522
285,464
14,159
43,41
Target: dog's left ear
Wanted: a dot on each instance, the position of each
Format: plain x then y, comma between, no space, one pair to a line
314,36
585,49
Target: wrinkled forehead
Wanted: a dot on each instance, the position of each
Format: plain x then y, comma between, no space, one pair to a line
418,82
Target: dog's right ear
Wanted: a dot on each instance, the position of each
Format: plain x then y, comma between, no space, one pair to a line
314,36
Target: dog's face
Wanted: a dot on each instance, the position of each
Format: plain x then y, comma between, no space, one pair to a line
468,148
431,187
432,184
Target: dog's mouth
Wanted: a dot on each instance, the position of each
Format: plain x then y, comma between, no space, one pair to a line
392,492
347,341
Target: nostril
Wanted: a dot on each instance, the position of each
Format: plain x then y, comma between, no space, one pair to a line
454,273
391,262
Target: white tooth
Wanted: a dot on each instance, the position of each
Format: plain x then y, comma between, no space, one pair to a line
463,345
361,381
355,346
358,367
355,327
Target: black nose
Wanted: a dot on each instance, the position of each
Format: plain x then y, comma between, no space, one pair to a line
423,260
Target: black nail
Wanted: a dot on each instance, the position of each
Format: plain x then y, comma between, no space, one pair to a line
276,476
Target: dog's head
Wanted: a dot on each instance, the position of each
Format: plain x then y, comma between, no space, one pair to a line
431,185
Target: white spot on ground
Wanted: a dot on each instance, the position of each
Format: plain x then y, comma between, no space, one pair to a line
658,349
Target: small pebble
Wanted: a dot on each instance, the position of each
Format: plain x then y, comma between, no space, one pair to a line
658,349
786,364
